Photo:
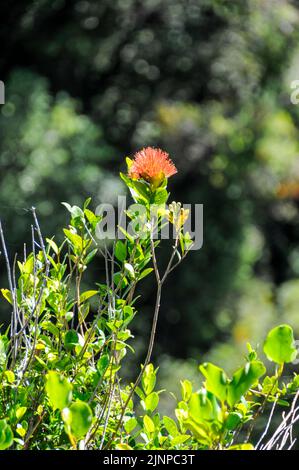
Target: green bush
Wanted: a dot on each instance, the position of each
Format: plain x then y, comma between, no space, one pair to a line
61,358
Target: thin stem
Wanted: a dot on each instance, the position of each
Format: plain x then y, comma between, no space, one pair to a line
150,346
13,294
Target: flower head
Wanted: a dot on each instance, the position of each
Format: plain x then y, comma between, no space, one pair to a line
177,215
152,165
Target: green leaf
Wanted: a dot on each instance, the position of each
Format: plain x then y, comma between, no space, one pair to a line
128,313
28,266
170,426
80,418
216,380
120,280
83,312
126,234
199,431
186,389
69,316
233,420
86,203
120,250
86,295
160,196
252,355
90,256
185,241
203,406
241,447
103,363
2,353
129,162
180,439
231,390
243,379
59,390
130,270
49,326
145,273
151,401
6,435
279,345
140,393
123,447
7,295
92,218
130,424
140,190
53,245
149,379
20,412
282,402
71,339
10,376
76,241
149,425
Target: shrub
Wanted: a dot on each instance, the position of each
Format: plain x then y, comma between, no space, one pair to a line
61,358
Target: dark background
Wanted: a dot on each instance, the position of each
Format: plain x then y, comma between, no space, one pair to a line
209,81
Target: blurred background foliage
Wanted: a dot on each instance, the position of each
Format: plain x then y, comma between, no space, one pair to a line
209,81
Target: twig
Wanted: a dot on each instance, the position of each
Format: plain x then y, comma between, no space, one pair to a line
284,429
268,424
13,294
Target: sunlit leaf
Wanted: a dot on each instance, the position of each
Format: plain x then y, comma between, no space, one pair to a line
58,389
279,345
149,425
170,426
6,435
87,294
120,250
151,401
243,379
80,418
216,380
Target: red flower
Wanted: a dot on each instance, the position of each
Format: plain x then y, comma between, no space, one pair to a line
152,165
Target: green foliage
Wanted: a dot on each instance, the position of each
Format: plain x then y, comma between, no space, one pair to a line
120,251
60,368
80,419
224,112
213,416
222,406
59,390
231,391
149,379
6,435
279,345
61,384
243,379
